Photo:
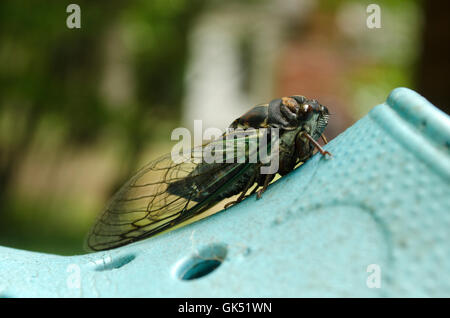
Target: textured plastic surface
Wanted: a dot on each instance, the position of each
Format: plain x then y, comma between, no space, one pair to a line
383,199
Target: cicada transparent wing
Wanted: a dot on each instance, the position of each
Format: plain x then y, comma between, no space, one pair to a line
165,192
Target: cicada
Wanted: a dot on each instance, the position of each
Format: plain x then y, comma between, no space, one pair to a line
167,192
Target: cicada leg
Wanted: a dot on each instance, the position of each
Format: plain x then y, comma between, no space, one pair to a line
267,179
242,196
316,144
324,138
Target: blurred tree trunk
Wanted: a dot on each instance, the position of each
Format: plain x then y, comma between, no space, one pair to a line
434,64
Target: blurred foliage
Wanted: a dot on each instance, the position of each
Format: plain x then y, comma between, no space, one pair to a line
51,95
381,59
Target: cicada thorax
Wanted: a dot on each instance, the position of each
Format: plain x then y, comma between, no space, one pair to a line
290,116
254,123
256,117
280,114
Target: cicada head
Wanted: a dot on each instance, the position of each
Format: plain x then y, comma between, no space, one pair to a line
298,112
313,117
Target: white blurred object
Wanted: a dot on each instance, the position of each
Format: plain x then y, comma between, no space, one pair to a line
234,49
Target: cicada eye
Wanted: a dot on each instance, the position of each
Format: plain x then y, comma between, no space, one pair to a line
305,111
324,110
307,108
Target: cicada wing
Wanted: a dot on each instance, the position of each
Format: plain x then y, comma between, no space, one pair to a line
166,192
141,205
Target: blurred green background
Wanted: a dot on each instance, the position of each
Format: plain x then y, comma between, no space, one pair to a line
82,109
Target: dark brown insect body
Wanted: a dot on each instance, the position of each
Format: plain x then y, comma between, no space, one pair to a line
164,193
